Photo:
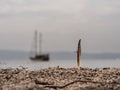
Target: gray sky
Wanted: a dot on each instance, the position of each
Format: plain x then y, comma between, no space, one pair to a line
62,22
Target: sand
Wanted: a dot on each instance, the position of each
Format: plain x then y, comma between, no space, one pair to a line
56,78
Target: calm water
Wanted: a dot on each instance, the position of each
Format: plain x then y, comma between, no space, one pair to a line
62,59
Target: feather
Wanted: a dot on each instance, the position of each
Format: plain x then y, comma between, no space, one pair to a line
79,54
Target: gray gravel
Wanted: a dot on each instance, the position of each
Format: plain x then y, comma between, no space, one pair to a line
58,78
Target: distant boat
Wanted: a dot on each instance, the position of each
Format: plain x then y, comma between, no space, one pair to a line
37,54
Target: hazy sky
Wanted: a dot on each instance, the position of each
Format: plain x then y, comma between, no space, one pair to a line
62,22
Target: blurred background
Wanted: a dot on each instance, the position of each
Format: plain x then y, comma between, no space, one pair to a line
62,23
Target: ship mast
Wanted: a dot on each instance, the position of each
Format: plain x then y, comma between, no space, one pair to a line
35,42
40,43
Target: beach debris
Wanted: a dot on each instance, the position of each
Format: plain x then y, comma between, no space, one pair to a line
82,81
79,54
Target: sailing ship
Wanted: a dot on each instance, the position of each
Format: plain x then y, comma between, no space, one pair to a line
38,55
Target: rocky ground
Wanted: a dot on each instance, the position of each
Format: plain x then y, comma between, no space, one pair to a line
60,79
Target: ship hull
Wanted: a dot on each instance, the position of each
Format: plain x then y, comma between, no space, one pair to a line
43,57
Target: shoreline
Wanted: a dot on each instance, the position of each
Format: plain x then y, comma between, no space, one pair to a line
60,78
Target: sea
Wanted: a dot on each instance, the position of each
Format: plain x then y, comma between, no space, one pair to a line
20,59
